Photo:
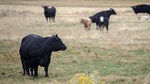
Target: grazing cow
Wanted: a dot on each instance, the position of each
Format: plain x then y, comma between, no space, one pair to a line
95,18
103,22
143,8
86,22
36,50
49,13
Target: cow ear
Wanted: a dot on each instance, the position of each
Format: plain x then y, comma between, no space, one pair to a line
56,35
42,6
111,9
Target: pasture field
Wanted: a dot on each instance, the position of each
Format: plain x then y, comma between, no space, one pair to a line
120,57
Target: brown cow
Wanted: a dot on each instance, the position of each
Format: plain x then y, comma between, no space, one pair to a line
87,23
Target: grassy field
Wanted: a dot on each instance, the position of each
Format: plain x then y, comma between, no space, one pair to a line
120,57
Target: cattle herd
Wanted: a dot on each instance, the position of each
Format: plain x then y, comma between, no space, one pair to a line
36,50
102,18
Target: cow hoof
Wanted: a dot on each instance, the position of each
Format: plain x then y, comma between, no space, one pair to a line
46,76
28,74
35,75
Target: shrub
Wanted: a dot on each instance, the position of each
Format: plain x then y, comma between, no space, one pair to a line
82,78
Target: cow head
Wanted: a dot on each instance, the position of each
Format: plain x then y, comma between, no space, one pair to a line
45,7
82,20
113,12
57,43
135,9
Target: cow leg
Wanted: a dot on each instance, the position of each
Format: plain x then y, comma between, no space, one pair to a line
85,29
139,17
50,19
107,28
97,27
35,70
31,69
27,69
103,27
24,72
89,26
100,27
53,18
47,19
85,26
23,66
46,71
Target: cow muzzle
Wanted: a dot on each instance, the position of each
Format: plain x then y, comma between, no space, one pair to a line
64,48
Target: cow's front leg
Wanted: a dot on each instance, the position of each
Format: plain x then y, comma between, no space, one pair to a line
46,71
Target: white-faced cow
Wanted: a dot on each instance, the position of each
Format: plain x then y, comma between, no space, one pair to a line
36,50
143,8
49,13
106,14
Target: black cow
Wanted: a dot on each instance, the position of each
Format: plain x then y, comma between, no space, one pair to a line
143,8
103,22
36,50
96,18
49,13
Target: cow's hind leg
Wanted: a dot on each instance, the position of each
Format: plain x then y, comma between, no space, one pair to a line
53,18
46,71
97,27
35,70
100,27
50,19
23,67
27,69
103,27
31,69
89,26
46,19
107,28
24,72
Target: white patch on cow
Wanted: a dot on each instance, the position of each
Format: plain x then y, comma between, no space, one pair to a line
101,19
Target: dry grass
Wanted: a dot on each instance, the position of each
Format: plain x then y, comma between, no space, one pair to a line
126,45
